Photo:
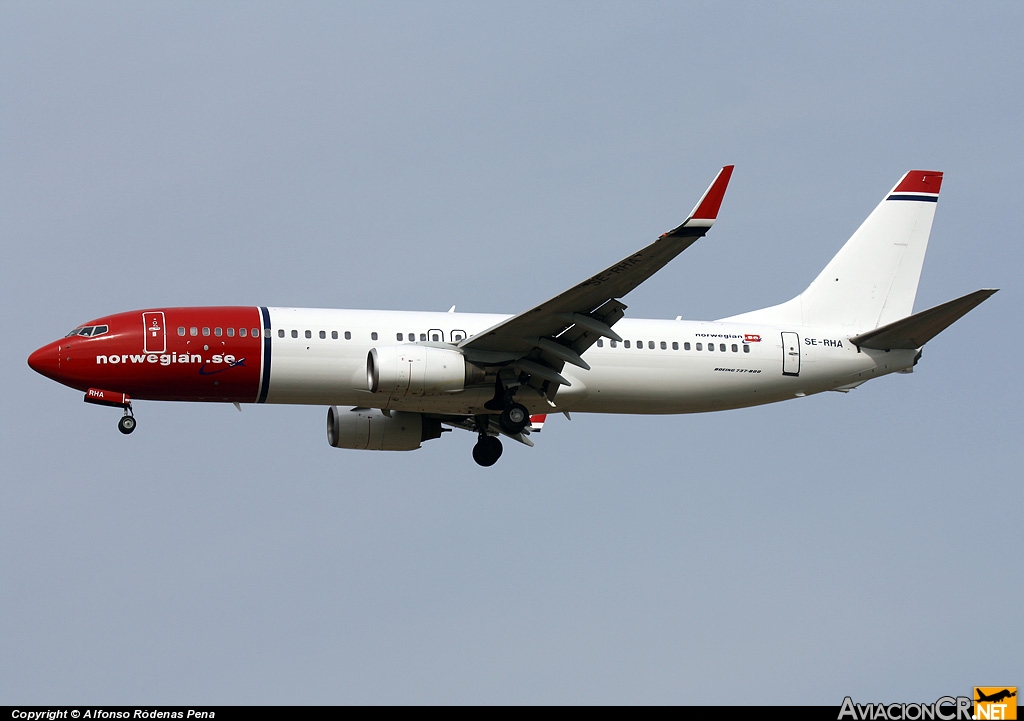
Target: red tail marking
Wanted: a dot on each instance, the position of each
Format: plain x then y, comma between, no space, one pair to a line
920,181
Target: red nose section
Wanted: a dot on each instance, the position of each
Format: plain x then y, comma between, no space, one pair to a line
46,361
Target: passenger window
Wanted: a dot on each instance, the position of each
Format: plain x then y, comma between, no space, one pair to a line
721,347
193,331
309,334
458,335
218,332
348,335
398,336
423,336
373,336
650,344
735,348
256,332
700,347
295,334
181,330
323,335
664,345
231,332
435,337
711,346
241,332
746,348
600,342
640,344
334,335
280,333
686,346
614,344
625,344
206,331
675,345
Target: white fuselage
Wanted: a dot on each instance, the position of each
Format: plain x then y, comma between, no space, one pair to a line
669,366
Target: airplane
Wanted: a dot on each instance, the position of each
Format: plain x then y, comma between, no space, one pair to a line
996,697
395,379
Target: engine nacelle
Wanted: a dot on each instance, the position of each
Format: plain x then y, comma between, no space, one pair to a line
416,370
369,429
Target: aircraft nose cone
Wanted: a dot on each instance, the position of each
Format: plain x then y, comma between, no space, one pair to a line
46,361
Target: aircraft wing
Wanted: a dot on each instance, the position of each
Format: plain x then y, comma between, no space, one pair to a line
558,331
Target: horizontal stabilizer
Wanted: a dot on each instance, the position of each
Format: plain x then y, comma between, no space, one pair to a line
916,330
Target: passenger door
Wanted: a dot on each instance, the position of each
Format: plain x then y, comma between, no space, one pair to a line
790,354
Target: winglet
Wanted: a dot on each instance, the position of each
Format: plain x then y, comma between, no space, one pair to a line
707,208
704,213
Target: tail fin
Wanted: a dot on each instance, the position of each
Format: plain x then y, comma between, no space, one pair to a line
872,280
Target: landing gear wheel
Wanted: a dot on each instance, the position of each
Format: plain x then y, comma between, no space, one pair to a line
487,451
514,419
126,425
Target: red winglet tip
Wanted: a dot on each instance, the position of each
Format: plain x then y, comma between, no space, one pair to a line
920,181
708,207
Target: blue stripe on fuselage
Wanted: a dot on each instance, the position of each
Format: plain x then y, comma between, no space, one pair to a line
265,380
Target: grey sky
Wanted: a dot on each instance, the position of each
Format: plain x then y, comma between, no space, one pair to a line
416,155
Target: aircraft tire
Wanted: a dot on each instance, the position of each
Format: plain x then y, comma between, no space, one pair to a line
487,451
514,419
126,425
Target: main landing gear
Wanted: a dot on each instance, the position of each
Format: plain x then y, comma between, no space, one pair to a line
487,450
127,423
514,418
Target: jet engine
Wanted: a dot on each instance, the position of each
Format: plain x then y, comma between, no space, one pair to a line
416,370
369,429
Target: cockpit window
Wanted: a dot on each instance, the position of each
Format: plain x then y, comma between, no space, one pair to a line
88,331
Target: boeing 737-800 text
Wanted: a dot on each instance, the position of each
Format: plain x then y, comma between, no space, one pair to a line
395,379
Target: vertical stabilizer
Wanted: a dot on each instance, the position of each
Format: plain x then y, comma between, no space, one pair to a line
872,280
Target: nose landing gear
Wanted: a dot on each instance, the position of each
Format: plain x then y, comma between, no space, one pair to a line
127,423
112,399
